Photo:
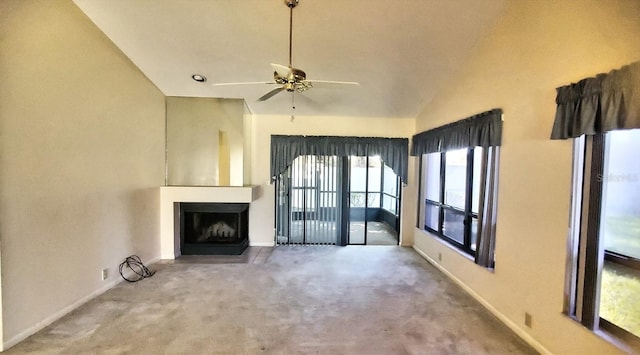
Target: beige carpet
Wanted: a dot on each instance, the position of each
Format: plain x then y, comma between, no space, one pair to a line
379,233
289,300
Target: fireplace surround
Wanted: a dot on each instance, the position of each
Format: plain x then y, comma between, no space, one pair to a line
170,195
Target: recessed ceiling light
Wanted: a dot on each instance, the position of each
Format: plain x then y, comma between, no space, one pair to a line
199,78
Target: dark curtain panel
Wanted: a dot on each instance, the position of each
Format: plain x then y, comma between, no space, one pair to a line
393,151
481,130
600,104
487,211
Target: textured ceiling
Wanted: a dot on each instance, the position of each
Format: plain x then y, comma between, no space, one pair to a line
400,51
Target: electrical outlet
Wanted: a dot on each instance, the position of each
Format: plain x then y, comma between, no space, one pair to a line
105,274
439,256
528,319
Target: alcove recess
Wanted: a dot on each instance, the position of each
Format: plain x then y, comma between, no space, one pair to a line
207,164
208,142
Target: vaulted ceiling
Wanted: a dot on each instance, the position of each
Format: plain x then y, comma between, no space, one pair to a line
400,51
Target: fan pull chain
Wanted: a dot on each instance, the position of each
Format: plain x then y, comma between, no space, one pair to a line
293,105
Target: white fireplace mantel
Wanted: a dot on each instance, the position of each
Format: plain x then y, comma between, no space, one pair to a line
169,242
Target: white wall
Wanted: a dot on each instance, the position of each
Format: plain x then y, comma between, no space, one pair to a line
81,159
536,47
261,213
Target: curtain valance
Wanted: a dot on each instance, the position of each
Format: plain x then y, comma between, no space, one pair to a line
600,104
481,130
393,151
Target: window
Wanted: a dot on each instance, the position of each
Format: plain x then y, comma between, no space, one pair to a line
459,183
371,177
374,181
603,278
390,190
451,196
358,182
601,115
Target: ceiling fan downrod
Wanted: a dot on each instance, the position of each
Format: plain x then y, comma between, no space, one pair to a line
291,4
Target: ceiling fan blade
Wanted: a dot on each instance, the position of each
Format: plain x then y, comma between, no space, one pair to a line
282,70
330,83
271,93
245,83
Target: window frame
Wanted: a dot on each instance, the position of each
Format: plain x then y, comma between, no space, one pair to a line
585,247
395,198
467,212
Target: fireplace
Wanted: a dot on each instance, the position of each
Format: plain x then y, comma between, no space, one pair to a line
212,228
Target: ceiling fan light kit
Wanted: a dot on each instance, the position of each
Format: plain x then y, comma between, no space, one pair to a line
291,79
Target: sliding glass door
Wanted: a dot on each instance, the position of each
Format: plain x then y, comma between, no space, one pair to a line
357,200
307,210
373,202
337,201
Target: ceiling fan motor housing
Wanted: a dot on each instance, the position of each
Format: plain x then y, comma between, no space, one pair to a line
291,3
296,75
294,81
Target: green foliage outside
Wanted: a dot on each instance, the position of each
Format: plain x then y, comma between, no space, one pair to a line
620,285
620,296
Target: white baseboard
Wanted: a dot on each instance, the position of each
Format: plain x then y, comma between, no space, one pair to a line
504,319
59,314
261,244
68,309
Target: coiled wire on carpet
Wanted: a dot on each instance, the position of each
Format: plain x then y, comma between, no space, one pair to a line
134,264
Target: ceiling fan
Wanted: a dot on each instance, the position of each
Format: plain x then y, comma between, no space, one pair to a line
289,78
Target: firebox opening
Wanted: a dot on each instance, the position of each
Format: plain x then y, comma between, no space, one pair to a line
213,228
